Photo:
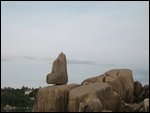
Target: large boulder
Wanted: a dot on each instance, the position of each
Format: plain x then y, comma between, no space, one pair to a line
145,92
96,97
59,74
121,80
137,97
143,95
137,88
53,98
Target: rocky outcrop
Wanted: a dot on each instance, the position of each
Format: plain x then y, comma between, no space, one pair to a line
121,81
53,98
93,97
140,93
137,107
113,91
59,74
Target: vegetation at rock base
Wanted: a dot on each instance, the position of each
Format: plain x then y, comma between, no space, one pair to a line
17,99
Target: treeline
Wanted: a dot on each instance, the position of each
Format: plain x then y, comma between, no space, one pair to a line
17,99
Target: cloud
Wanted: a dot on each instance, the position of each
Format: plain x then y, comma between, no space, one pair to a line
46,59
81,62
12,58
6,59
51,60
25,57
76,61
87,62
70,61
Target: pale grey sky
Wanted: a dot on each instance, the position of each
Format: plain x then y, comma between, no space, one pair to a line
96,33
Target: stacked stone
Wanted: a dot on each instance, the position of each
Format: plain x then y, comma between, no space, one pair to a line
59,74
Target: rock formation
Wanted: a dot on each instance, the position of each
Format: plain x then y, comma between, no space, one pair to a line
59,74
137,97
94,106
121,80
53,98
146,105
140,93
137,88
145,92
137,107
90,97
113,91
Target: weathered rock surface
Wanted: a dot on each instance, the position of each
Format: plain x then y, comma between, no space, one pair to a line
137,107
94,105
142,95
137,88
146,105
137,97
121,80
93,97
53,98
145,92
59,74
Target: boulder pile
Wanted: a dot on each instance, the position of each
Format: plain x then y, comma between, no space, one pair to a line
113,91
